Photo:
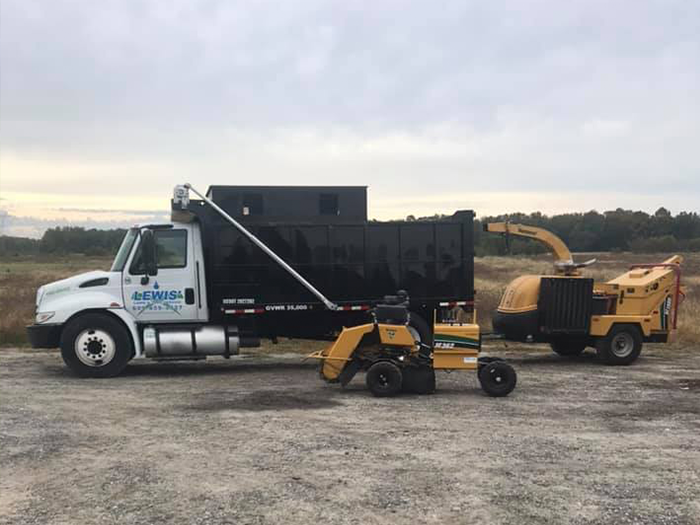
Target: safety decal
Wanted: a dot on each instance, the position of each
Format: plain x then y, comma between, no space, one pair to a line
453,341
665,312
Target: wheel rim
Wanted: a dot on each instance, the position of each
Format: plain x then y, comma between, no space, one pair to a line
622,345
95,347
497,376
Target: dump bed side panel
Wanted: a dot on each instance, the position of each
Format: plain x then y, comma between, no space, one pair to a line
348,263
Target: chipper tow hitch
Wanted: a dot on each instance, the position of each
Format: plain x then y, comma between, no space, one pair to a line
396,362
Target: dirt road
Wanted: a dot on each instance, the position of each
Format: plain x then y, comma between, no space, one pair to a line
263,440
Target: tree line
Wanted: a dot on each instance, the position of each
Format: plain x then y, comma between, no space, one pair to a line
618,230
65,240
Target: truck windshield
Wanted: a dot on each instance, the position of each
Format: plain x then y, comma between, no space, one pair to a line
124,249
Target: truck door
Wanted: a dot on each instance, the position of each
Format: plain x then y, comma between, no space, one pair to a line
171,296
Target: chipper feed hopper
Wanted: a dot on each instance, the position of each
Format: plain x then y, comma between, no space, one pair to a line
395,359
571,311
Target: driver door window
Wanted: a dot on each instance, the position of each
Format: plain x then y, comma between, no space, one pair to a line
171,251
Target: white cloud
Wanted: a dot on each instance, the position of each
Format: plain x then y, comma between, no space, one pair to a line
605,128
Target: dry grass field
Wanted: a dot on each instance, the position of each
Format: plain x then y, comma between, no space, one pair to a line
19,280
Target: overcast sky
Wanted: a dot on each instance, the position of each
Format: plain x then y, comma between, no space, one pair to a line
497,106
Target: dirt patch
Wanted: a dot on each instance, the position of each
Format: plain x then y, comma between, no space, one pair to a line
262,401
263,440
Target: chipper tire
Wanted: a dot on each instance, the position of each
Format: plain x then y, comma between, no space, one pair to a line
498,378
96,345
568,348
621,346
384,379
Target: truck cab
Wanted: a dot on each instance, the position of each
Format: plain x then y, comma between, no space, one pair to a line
156,278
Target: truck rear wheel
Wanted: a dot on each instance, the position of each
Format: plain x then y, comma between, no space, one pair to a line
384,379
498,378
568,348
96,345
420,329
621,346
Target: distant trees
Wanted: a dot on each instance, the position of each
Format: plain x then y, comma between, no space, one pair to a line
616,230
65,240
72,239
18,245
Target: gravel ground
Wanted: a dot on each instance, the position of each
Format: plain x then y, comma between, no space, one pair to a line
263,440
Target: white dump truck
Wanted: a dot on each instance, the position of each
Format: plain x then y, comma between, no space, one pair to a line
244,262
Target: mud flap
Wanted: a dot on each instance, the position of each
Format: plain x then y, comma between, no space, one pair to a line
349,372
419,379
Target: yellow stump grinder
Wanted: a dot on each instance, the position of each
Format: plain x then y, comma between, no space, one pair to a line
396,360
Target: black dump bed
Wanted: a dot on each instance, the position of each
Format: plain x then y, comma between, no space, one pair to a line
347,263
352,262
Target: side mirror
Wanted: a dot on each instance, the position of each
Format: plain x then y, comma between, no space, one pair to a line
148,252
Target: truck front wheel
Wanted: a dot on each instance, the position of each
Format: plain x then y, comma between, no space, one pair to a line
621,346
96,345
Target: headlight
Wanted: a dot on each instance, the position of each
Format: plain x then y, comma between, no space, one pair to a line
42,317
39,295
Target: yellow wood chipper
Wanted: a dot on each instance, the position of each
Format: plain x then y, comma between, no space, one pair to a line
571,311
396,360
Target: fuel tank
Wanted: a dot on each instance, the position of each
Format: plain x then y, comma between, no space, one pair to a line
190,341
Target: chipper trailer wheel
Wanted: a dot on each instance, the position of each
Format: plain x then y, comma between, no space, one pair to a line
384,379
621,346
497,378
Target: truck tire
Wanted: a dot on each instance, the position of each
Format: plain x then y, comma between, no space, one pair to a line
418,327
498,378
568,348
96,345
621,346
384,379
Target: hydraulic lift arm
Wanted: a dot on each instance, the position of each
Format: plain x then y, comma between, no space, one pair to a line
563,260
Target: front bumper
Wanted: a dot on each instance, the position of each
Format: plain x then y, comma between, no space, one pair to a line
44,335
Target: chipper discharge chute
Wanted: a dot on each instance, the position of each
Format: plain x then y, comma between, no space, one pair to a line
571,311
395,360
